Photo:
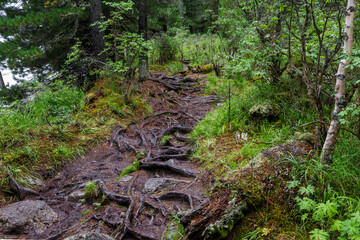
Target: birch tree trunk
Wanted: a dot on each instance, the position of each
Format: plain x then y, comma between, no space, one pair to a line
181,8
2,83
340,102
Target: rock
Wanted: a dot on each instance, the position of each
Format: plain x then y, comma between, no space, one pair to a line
307,137
90,236
221,228
76,196
206,68
35,182
263,110
125,178
26,217
153,185
256,162
114,216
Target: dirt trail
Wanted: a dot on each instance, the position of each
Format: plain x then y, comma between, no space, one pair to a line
130,211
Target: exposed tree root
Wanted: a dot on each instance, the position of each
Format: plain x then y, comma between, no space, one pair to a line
175,129
120,199
176,196
168,157
152,166
20,191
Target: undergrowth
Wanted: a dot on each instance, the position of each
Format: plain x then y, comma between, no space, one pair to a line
324,202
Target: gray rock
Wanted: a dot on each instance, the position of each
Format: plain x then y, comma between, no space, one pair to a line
114,216
35,182
153,185
256,162
90,236
125,178
263,110
76,196
26,217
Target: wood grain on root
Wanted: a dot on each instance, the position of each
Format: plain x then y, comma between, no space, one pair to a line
20,191
175,129
153,166
176,196
120,199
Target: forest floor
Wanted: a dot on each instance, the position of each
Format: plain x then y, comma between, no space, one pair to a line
155,150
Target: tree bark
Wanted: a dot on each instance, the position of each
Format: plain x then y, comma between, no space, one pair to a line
358,123
143,59
96,35
181,7
2,83
340,102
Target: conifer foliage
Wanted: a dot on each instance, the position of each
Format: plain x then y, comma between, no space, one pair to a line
38,34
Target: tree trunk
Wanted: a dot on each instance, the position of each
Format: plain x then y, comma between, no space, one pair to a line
2,83
340,102
358,105
96,35
143,59
181,7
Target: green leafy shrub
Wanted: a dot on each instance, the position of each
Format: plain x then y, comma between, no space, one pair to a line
163,49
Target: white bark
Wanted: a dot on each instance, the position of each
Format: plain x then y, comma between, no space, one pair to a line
2,83
333,132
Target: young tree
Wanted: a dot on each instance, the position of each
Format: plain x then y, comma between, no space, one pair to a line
143,60
2,83
340,102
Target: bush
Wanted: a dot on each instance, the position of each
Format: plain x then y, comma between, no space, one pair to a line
163,49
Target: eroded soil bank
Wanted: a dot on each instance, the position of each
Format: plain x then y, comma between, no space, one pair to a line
164,180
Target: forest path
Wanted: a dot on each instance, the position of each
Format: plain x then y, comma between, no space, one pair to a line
141,204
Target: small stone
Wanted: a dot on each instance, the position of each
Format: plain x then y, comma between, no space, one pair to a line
171,161
125,178
26,217
263,110
90,236
76,196
153,185
114,216
35,182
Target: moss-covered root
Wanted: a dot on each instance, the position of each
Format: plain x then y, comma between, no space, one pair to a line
221,228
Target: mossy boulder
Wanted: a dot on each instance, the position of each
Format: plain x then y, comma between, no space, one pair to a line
263,110
205,68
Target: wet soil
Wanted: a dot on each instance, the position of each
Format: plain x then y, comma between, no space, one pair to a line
161,148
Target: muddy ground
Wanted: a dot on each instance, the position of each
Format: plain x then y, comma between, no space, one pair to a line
161,148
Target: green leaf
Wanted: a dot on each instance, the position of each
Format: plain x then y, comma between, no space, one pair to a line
325,210
306,204
293,184
350,227
304,217
309,190
336,226
318,234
